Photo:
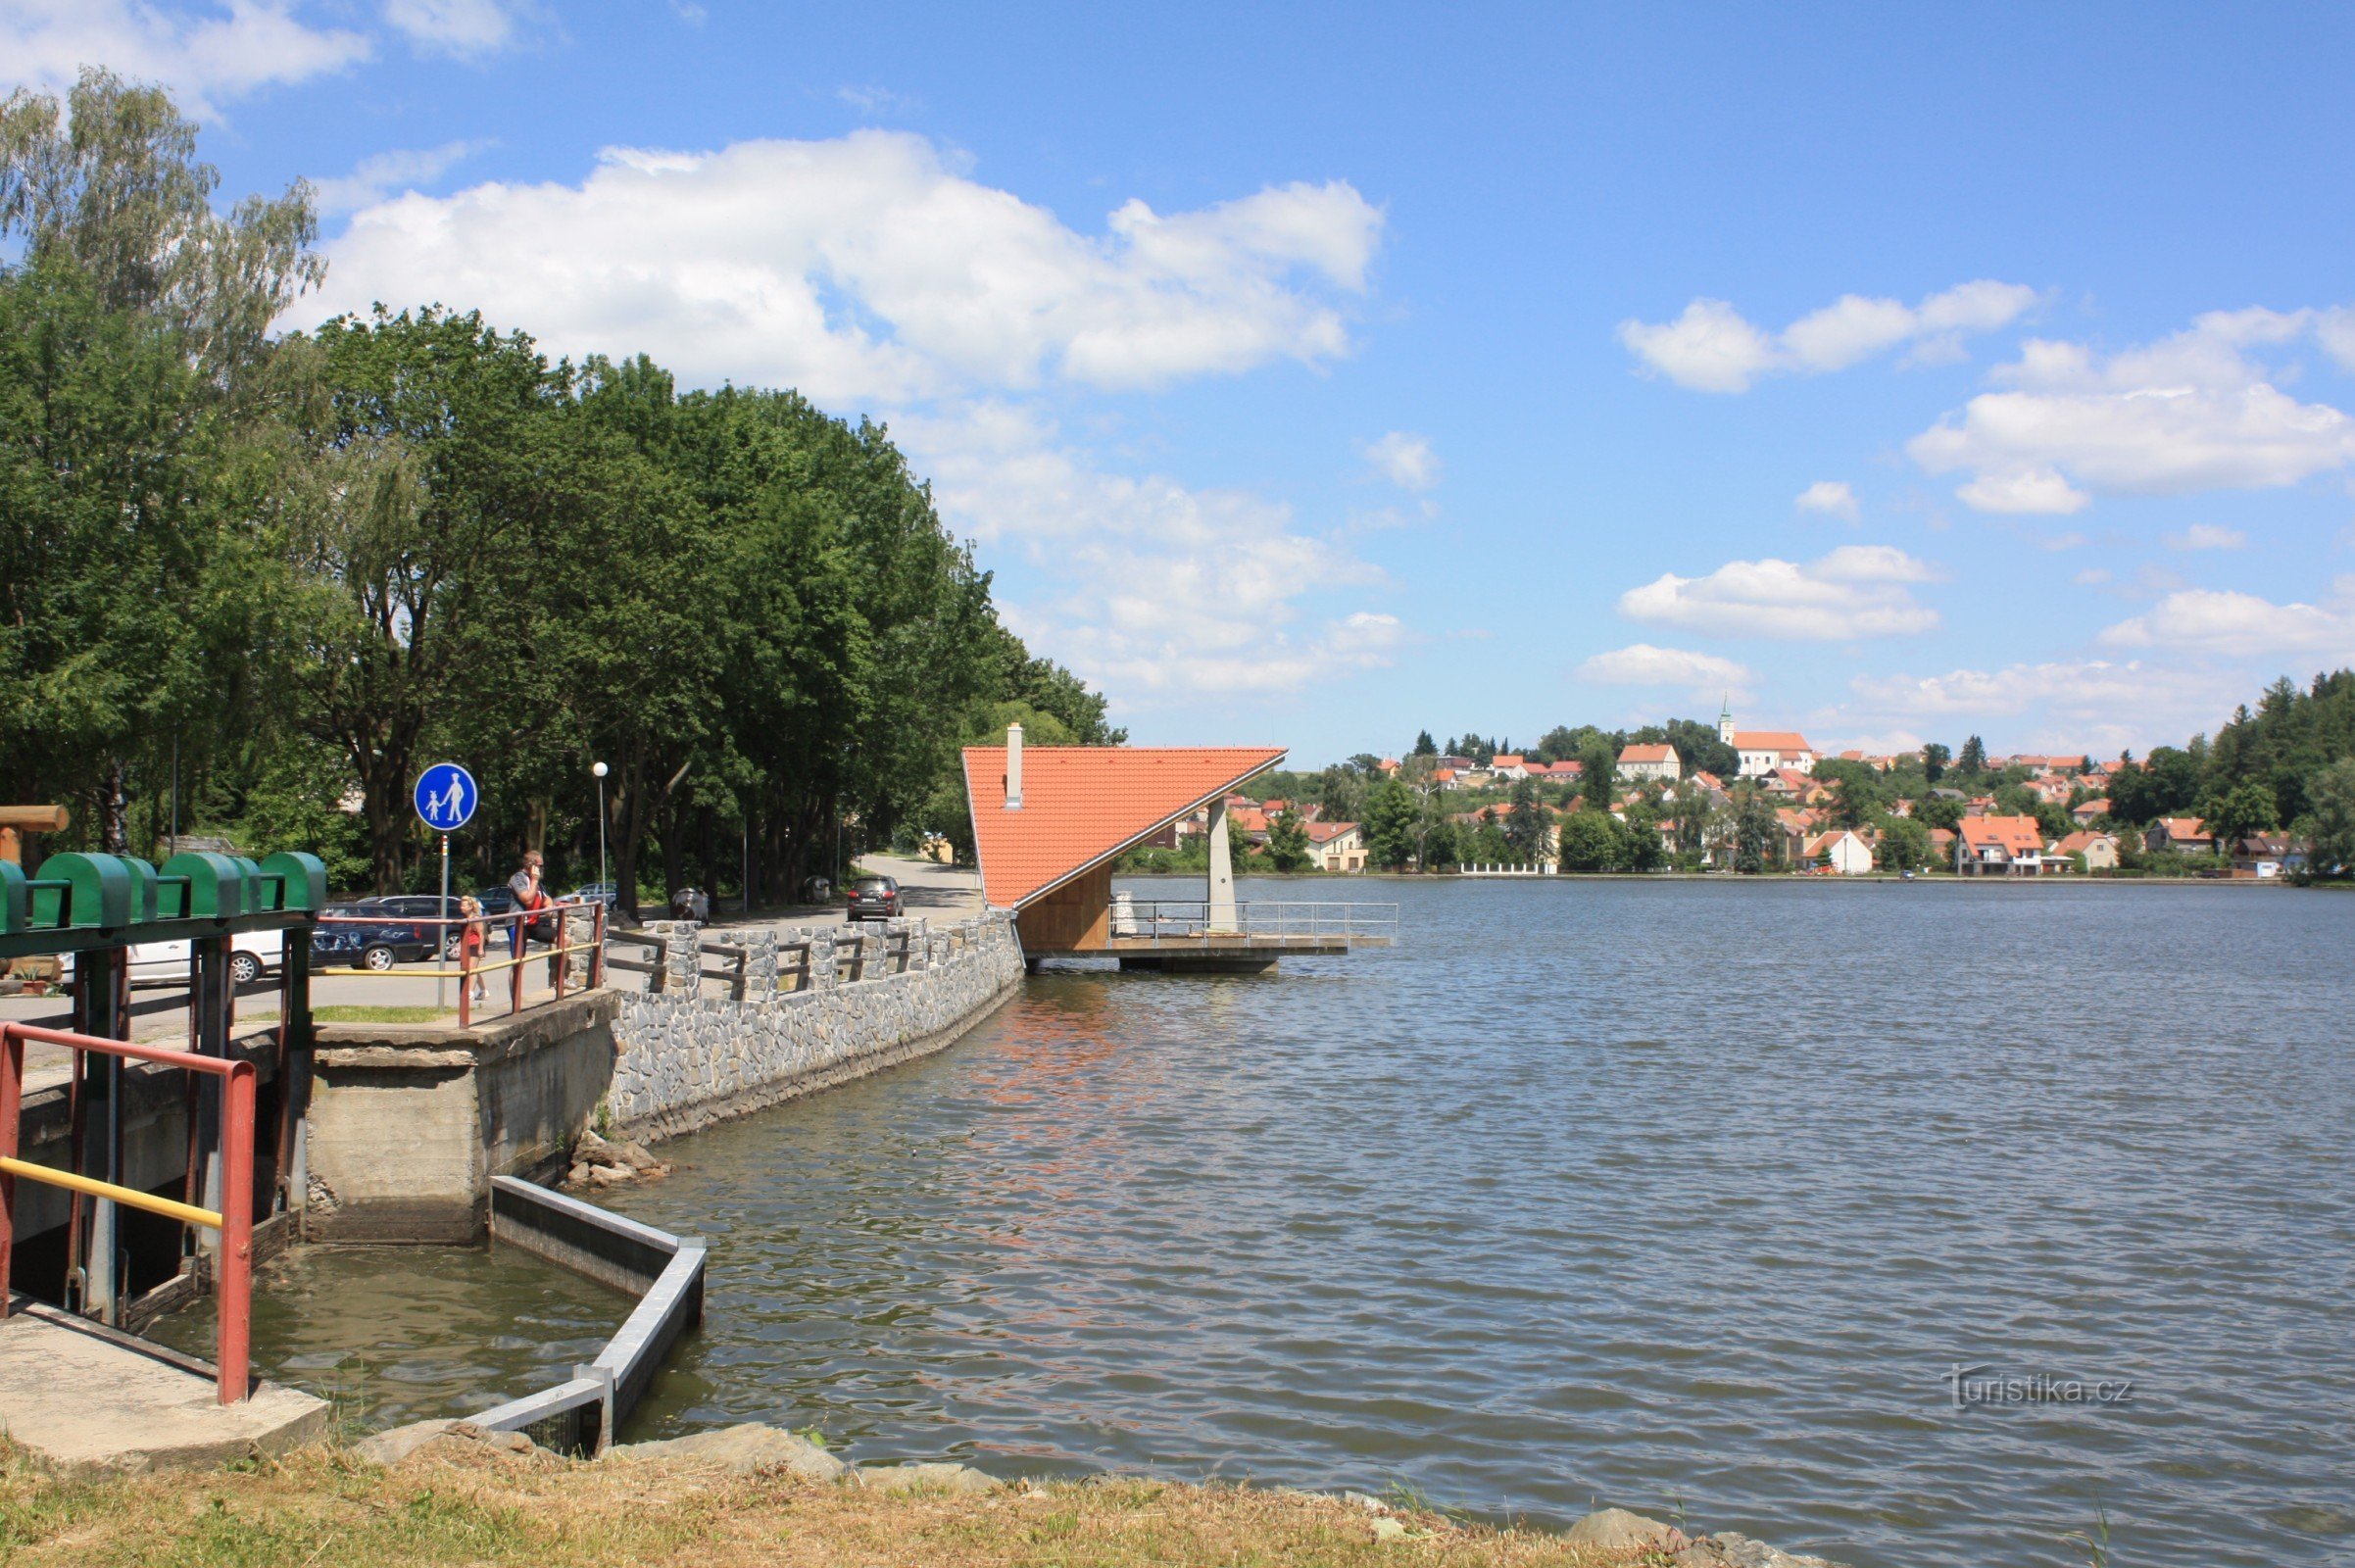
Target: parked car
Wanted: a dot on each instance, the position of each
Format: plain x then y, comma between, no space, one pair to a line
252,955
607,893
358,934
873,897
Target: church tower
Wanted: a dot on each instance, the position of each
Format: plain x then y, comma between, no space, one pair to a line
1725,720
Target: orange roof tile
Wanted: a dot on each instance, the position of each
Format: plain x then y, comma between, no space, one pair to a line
1770,740
1082,805
2017,835
1646,753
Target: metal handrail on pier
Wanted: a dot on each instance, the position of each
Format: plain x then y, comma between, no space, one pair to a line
234,1219
1189,921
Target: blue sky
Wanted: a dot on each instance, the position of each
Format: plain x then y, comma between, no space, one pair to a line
1319,376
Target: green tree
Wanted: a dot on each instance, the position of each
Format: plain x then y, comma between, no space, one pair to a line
1903,845
1974,759
109,183
1640,846
2328,826
1393,823
1423,745
1287,843
1935,758
1699,750
1591,842
1599,771
2247,808
1755,831
1526,823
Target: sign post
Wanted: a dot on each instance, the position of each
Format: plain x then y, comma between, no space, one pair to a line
445,797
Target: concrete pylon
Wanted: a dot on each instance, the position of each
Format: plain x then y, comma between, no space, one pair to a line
1222,870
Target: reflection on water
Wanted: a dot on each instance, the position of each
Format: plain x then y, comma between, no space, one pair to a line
1634,1192
1622,1190
396,1334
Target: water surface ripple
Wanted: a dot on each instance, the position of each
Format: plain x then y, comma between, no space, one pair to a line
1628,1192
1640,1192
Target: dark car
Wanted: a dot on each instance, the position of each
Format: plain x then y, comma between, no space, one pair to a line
359,934
873,897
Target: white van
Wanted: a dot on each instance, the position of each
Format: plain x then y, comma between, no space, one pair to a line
252,955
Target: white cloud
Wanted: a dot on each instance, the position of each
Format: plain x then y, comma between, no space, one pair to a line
1644,664
869,268
1713,348
1162,592
2033,491
2232,624
2195,410
1405,461
466,28
1709,347
374,177
2208,536
1831,496
1855,591
2091,706
207,54
871,100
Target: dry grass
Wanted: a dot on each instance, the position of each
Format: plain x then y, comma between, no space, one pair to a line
322,1508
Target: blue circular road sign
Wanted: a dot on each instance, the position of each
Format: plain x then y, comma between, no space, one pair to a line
446,797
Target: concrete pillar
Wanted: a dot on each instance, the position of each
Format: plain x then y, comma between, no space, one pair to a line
1222,870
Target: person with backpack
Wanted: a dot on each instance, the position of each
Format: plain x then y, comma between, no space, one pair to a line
531,898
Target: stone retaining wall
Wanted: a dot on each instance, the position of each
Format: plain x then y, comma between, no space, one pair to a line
691,1056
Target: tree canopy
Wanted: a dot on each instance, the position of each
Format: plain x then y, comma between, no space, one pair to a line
260,583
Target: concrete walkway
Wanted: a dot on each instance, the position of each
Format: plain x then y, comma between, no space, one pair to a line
937,893
86,1399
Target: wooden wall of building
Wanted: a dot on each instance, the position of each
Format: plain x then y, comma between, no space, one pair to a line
1076,917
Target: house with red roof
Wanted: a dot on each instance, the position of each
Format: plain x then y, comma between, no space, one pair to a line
1049,822
1337,846
1999,845
2087,813
1840,850
2099,849
2180,835
1768,751
1650,761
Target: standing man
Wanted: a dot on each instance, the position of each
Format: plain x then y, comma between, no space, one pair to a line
525,886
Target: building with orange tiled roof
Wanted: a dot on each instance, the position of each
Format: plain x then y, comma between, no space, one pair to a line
1049,821
1999,845
1337,846
1840,851
2182,835
1765,751
1650,761
2100,850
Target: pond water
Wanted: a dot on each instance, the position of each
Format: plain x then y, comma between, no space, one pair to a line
1663,1194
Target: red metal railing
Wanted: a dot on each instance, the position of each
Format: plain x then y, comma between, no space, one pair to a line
233,1280
558,955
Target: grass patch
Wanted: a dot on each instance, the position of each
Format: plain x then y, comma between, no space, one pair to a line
359,1012
321,1506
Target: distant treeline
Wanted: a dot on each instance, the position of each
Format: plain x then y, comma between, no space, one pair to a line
264,580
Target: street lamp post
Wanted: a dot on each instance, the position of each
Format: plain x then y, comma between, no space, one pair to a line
598,769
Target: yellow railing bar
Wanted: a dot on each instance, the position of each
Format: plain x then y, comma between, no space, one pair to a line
487,967
128,1197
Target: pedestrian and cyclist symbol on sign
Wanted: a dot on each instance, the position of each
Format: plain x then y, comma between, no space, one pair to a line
446,797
